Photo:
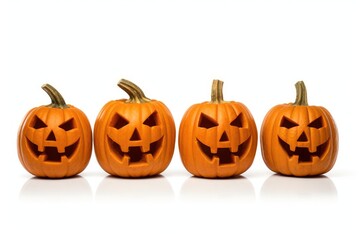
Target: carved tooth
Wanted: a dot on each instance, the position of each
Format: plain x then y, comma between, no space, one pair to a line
149,157
41,148
145,148
61,149
292,147
126,159
213,150
42,157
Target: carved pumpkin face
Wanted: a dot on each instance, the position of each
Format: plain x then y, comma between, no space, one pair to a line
134,138
224,139
299,140
52,139
217,139
55,141
305,140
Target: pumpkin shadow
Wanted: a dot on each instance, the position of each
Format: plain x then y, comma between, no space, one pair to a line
56,191
211,191
284,189
134,190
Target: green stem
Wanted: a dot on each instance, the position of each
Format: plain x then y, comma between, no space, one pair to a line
135,93
57,101
301,94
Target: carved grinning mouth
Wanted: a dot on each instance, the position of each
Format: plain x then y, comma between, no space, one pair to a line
305,156
135,154
51,154
224,155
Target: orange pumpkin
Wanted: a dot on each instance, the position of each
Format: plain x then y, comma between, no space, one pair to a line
134,137
55,140
298,139
217,139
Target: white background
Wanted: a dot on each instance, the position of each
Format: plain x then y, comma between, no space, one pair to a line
173,50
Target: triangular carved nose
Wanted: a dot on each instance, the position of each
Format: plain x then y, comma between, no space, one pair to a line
224,137
51,137
135,136
302,138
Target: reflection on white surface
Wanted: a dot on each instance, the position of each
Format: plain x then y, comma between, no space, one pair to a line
234,190
283,189
139,190
68,190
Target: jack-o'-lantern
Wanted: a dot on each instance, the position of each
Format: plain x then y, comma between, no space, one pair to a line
217,139
134,137
298,139
55,140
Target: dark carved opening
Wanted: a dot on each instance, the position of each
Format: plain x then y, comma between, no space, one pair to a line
51,137
68,125
118,121
238,121
288,123
152,120
38,123
206,121
317,123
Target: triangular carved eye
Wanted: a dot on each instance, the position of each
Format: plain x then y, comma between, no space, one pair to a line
238,121
38,123
151,121
288,123
206,121
118,121
68,125
317,123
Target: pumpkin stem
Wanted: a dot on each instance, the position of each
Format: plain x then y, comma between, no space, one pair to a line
301,94
57,101
135,93
217,91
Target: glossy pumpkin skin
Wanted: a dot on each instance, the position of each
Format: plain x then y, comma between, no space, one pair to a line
55,141
298,139
217,139
134,137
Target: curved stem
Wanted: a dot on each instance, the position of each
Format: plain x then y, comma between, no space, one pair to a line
301,94
135,93
57,101
217,91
